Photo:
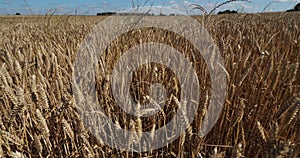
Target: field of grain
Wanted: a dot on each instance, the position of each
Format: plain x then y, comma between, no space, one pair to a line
260,118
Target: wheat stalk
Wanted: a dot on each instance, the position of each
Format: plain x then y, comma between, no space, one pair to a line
261,131
43,97
292,116
1,150
68,129
18,69
12,138
42,123
17,154
33,87
238,151
37,143
240,114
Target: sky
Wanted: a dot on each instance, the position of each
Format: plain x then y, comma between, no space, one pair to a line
91,7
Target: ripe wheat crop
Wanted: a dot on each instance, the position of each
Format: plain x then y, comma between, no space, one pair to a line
260,118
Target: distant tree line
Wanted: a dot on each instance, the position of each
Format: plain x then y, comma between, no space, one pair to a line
106,13
228,12
296,8
137,14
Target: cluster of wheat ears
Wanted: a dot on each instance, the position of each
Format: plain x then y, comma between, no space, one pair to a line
260,118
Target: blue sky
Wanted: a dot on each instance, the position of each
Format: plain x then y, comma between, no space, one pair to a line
91,7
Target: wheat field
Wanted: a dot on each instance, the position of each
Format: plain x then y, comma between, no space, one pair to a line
261,114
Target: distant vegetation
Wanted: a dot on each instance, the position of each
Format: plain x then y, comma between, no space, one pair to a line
227,12
106,13
296,8
138,14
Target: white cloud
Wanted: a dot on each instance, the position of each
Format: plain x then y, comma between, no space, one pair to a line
92,9
6,2
187,3
156,10
104,3
172,2
239,6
